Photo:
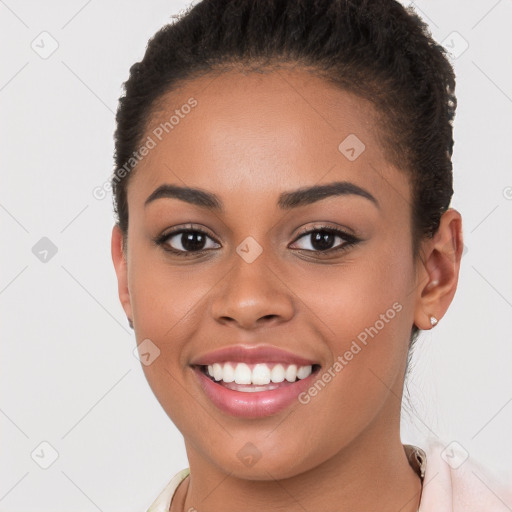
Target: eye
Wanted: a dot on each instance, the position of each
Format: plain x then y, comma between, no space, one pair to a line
322,240
185,242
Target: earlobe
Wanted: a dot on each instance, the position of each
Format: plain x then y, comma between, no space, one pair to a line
438,274
121,268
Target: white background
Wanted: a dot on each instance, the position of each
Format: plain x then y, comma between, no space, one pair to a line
68,375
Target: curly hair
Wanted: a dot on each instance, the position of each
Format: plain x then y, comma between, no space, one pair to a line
376,49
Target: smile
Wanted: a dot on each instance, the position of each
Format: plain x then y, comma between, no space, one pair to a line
253,382
256,377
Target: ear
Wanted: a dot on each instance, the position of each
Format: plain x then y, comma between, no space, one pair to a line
438,272
119,259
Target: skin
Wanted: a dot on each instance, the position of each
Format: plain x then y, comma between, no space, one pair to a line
251,137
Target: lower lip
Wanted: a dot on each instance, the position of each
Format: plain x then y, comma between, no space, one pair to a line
255,404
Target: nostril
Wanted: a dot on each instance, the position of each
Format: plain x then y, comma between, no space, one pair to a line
268,317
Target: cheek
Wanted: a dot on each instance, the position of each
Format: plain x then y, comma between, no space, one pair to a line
169,304
348,299
364,312
164,298
165,304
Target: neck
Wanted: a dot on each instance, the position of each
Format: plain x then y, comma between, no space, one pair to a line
371,473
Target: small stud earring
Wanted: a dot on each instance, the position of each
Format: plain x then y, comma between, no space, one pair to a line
433,321
130,323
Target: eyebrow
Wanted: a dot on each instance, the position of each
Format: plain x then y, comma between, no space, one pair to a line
287,200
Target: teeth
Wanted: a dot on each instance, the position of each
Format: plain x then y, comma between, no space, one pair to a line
277,374
303,372
217,371
291,373
261,374
242,374
228,373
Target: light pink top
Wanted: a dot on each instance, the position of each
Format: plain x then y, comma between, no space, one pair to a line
452,482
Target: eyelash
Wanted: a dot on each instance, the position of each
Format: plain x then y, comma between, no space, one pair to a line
350,240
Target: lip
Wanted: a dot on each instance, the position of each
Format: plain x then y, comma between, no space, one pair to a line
252,354
257,404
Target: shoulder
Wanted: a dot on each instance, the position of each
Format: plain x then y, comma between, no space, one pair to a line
163,501
454,482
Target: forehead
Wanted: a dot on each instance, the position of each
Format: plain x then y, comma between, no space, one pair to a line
259,133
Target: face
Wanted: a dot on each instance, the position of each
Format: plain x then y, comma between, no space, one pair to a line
294,250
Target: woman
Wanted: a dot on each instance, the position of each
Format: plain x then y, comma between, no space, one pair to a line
284,233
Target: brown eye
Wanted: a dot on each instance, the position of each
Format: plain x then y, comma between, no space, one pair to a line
186,241
324,240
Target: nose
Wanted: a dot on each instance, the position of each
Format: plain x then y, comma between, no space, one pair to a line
253,295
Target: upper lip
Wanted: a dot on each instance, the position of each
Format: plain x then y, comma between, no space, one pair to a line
252,354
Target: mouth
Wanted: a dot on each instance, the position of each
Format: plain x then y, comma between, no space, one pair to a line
253,381
254,378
